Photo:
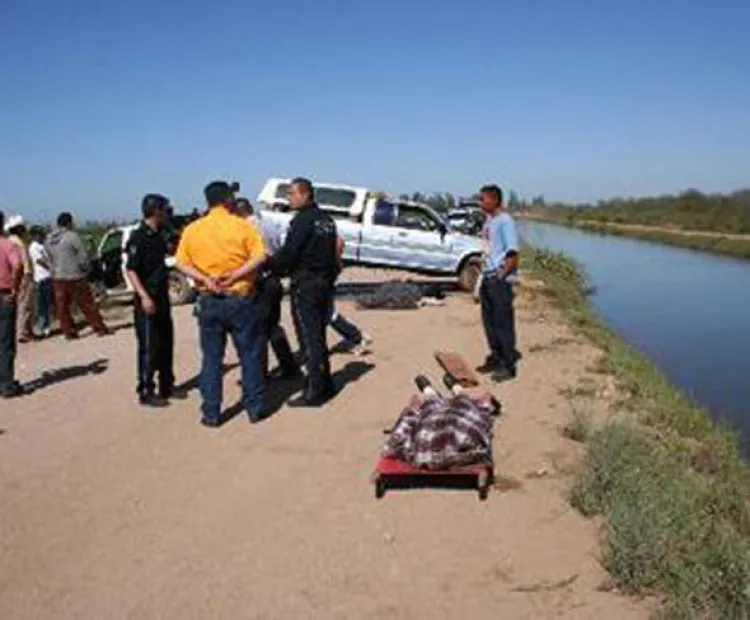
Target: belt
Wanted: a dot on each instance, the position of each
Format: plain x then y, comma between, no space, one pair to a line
228,295
6,294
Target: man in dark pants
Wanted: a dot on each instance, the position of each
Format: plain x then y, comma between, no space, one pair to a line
148,273
222,253
270,295
309,256
11,274
496,292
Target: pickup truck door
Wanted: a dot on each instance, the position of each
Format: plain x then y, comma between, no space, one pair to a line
376,239
350,233
419,241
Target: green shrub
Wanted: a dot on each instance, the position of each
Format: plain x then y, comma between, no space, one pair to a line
669,482
663,532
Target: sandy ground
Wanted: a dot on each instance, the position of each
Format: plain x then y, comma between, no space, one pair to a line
110,511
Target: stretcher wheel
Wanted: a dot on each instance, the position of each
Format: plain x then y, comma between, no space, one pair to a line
379,488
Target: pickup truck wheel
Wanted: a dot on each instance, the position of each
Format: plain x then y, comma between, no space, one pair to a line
180,291
469,274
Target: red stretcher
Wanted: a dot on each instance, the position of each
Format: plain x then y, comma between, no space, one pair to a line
392,473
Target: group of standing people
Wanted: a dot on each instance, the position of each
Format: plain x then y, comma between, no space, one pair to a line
236,262
236,269
39,272
34,295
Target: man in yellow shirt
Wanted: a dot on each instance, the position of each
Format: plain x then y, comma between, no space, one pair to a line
222,253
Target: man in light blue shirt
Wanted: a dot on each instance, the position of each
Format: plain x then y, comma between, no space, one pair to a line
496,292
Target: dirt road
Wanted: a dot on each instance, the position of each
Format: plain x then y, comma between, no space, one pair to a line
112,512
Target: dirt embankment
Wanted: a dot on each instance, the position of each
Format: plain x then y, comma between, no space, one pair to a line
113,512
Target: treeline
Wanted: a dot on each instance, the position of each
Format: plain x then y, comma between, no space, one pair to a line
690,210
445,201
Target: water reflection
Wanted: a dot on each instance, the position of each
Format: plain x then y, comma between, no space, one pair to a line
686,310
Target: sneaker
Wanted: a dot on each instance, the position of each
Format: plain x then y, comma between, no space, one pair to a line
422,382
424,385
210,422
453,386
363,346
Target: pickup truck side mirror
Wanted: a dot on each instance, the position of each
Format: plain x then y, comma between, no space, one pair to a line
443,230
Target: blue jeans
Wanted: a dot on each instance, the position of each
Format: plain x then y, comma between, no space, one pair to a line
44,304
344,327
243,320
7,343
499,320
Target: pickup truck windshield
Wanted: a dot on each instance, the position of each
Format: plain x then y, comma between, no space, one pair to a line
415,218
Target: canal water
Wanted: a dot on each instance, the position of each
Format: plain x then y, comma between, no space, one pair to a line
688,311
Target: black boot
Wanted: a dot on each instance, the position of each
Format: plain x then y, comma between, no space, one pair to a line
149,399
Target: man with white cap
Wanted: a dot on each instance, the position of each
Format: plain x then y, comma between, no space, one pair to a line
15,228
11,273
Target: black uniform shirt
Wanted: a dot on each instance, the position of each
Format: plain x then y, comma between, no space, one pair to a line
309,249
146,252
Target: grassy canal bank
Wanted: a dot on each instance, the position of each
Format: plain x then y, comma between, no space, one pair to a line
667,482
725,244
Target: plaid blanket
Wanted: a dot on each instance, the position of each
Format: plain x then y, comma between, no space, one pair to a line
438,433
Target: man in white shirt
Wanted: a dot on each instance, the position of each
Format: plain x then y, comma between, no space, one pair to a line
40,263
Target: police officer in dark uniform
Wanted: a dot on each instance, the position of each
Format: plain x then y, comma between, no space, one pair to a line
149,275
309,257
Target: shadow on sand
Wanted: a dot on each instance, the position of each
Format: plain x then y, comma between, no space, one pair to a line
279,391
192,383
68,373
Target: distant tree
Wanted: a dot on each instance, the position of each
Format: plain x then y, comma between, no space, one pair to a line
690,210
441,201
538,201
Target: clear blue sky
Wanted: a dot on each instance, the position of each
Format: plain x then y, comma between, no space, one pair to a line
576,99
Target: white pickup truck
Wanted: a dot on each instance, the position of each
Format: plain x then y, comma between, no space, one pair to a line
383,231
108,270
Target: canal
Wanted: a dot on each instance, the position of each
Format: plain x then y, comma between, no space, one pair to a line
688,311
